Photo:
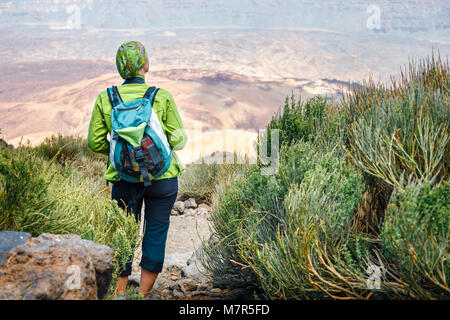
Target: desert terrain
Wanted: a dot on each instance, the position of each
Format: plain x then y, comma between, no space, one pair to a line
229,65
222,111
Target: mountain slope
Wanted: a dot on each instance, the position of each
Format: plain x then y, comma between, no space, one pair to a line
44,98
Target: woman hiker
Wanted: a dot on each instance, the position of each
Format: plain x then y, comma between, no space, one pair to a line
132,63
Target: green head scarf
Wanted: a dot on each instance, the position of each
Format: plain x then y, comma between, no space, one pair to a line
130,58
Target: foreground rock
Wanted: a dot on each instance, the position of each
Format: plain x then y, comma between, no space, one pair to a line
53,267
184,278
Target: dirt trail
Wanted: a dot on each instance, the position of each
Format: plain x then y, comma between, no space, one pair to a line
185,236
186,233
182,276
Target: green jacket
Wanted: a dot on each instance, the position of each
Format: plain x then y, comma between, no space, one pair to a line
166,110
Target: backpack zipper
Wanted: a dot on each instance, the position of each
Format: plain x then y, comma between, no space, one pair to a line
128,109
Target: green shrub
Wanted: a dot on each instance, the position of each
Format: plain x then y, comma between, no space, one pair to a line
316,216
72,150
38,196
23,183
200,179
65,149
317,120
415,238
398,135
276,224
294,232
398,131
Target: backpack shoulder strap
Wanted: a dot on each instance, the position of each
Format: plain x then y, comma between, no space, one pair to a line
150,94
114,97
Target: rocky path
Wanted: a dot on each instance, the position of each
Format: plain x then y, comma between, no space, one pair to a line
183,277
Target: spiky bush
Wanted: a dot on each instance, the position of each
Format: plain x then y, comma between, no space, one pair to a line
310,248
297,232
400,133
73,151
415,239
281,227
200,180
402,130
64,149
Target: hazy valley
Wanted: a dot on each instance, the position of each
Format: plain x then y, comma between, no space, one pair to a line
229,65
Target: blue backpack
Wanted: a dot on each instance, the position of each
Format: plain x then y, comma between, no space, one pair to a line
139,149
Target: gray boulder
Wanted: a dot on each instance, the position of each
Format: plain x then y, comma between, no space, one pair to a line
102,257
9,240
179,206
53,267
190,203
194,269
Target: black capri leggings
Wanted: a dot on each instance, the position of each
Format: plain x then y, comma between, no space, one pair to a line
159,200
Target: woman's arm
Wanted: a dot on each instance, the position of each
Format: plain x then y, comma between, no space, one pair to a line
176,134
97,135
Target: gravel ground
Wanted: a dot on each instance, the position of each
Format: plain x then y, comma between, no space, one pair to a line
185,235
